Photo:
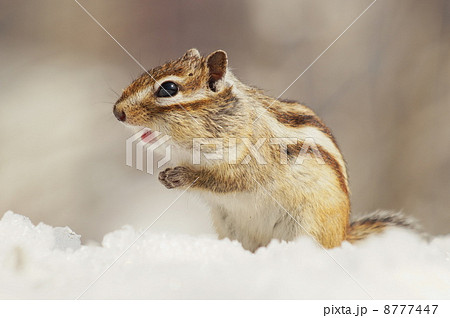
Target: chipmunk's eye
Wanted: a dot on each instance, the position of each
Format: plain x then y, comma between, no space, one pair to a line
167,89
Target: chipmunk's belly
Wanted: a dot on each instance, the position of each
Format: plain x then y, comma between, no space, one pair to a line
251,219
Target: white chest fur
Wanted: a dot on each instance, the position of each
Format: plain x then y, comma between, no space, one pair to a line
249,217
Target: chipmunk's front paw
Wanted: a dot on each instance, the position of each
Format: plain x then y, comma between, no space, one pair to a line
176,177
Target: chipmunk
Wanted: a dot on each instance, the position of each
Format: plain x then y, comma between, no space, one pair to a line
270,168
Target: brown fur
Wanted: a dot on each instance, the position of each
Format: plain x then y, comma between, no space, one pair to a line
215,104
296,120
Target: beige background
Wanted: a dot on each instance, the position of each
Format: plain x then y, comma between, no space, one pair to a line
382,88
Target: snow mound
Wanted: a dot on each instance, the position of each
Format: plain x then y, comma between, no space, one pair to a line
46,262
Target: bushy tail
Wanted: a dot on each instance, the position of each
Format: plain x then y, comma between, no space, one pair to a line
375,223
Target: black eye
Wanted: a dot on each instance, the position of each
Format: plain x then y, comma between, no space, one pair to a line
167,89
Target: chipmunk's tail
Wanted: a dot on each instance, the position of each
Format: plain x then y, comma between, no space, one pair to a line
377,222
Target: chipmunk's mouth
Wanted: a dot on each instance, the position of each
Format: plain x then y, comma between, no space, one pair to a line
149,136
145,134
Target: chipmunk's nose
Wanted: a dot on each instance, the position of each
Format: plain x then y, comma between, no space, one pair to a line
120,114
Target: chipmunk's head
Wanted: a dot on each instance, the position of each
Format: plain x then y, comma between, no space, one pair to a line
182,98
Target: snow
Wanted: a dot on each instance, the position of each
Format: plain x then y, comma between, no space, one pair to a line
50,262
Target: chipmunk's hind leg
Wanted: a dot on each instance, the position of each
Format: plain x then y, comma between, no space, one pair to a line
327,226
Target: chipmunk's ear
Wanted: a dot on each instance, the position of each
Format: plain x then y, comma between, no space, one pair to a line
217,67
191,53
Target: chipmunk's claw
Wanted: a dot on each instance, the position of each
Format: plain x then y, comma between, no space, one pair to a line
175,177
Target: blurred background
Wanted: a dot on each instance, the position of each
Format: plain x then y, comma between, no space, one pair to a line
383,89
